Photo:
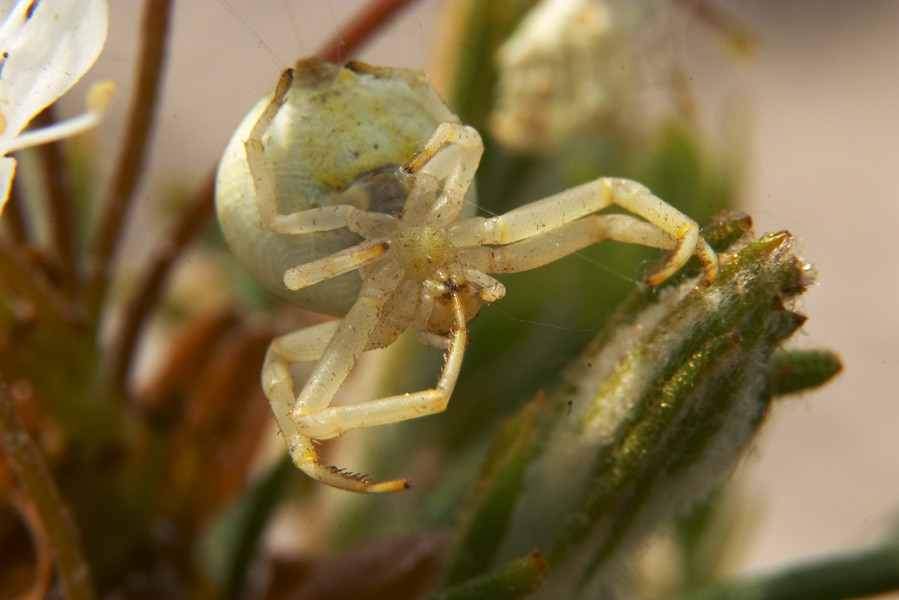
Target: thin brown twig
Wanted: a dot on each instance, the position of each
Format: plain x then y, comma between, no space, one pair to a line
59,204
43,553
354,34
31,284
150,289
34,476
144,104
14,215
717,20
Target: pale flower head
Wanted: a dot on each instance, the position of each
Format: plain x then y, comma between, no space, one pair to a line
46,46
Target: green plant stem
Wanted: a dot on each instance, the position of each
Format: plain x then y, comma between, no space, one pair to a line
859,575
515,580
501,483
155,27
35,478
258,506
486,26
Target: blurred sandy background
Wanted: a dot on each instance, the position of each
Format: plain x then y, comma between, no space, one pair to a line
822,98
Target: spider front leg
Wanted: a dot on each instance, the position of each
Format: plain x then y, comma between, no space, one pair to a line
554,244
303,420
336,346
303,346
665,227
313,220
335,420
435,158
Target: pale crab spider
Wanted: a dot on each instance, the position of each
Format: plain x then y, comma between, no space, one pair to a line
347,191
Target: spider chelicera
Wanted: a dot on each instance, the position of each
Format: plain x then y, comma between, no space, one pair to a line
347,191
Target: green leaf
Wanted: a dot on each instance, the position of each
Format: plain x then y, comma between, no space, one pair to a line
794,371
658,408
515,580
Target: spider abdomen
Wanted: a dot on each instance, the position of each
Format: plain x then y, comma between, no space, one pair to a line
337,139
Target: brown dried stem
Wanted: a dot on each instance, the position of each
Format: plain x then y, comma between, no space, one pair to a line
43,552
355,33
155,27
14,217
59,205
37,482
31,284
149,291
717,20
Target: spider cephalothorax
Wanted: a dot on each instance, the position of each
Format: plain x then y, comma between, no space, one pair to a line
347,191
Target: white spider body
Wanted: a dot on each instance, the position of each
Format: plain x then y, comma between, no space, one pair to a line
373,123
372,155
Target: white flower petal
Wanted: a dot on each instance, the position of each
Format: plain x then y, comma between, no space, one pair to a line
98,99
13,17
46,55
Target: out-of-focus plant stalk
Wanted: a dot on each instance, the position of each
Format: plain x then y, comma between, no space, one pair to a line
145,100
515,580
60,205
150,289
16,275
361,28
43,550
863,574
36,480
